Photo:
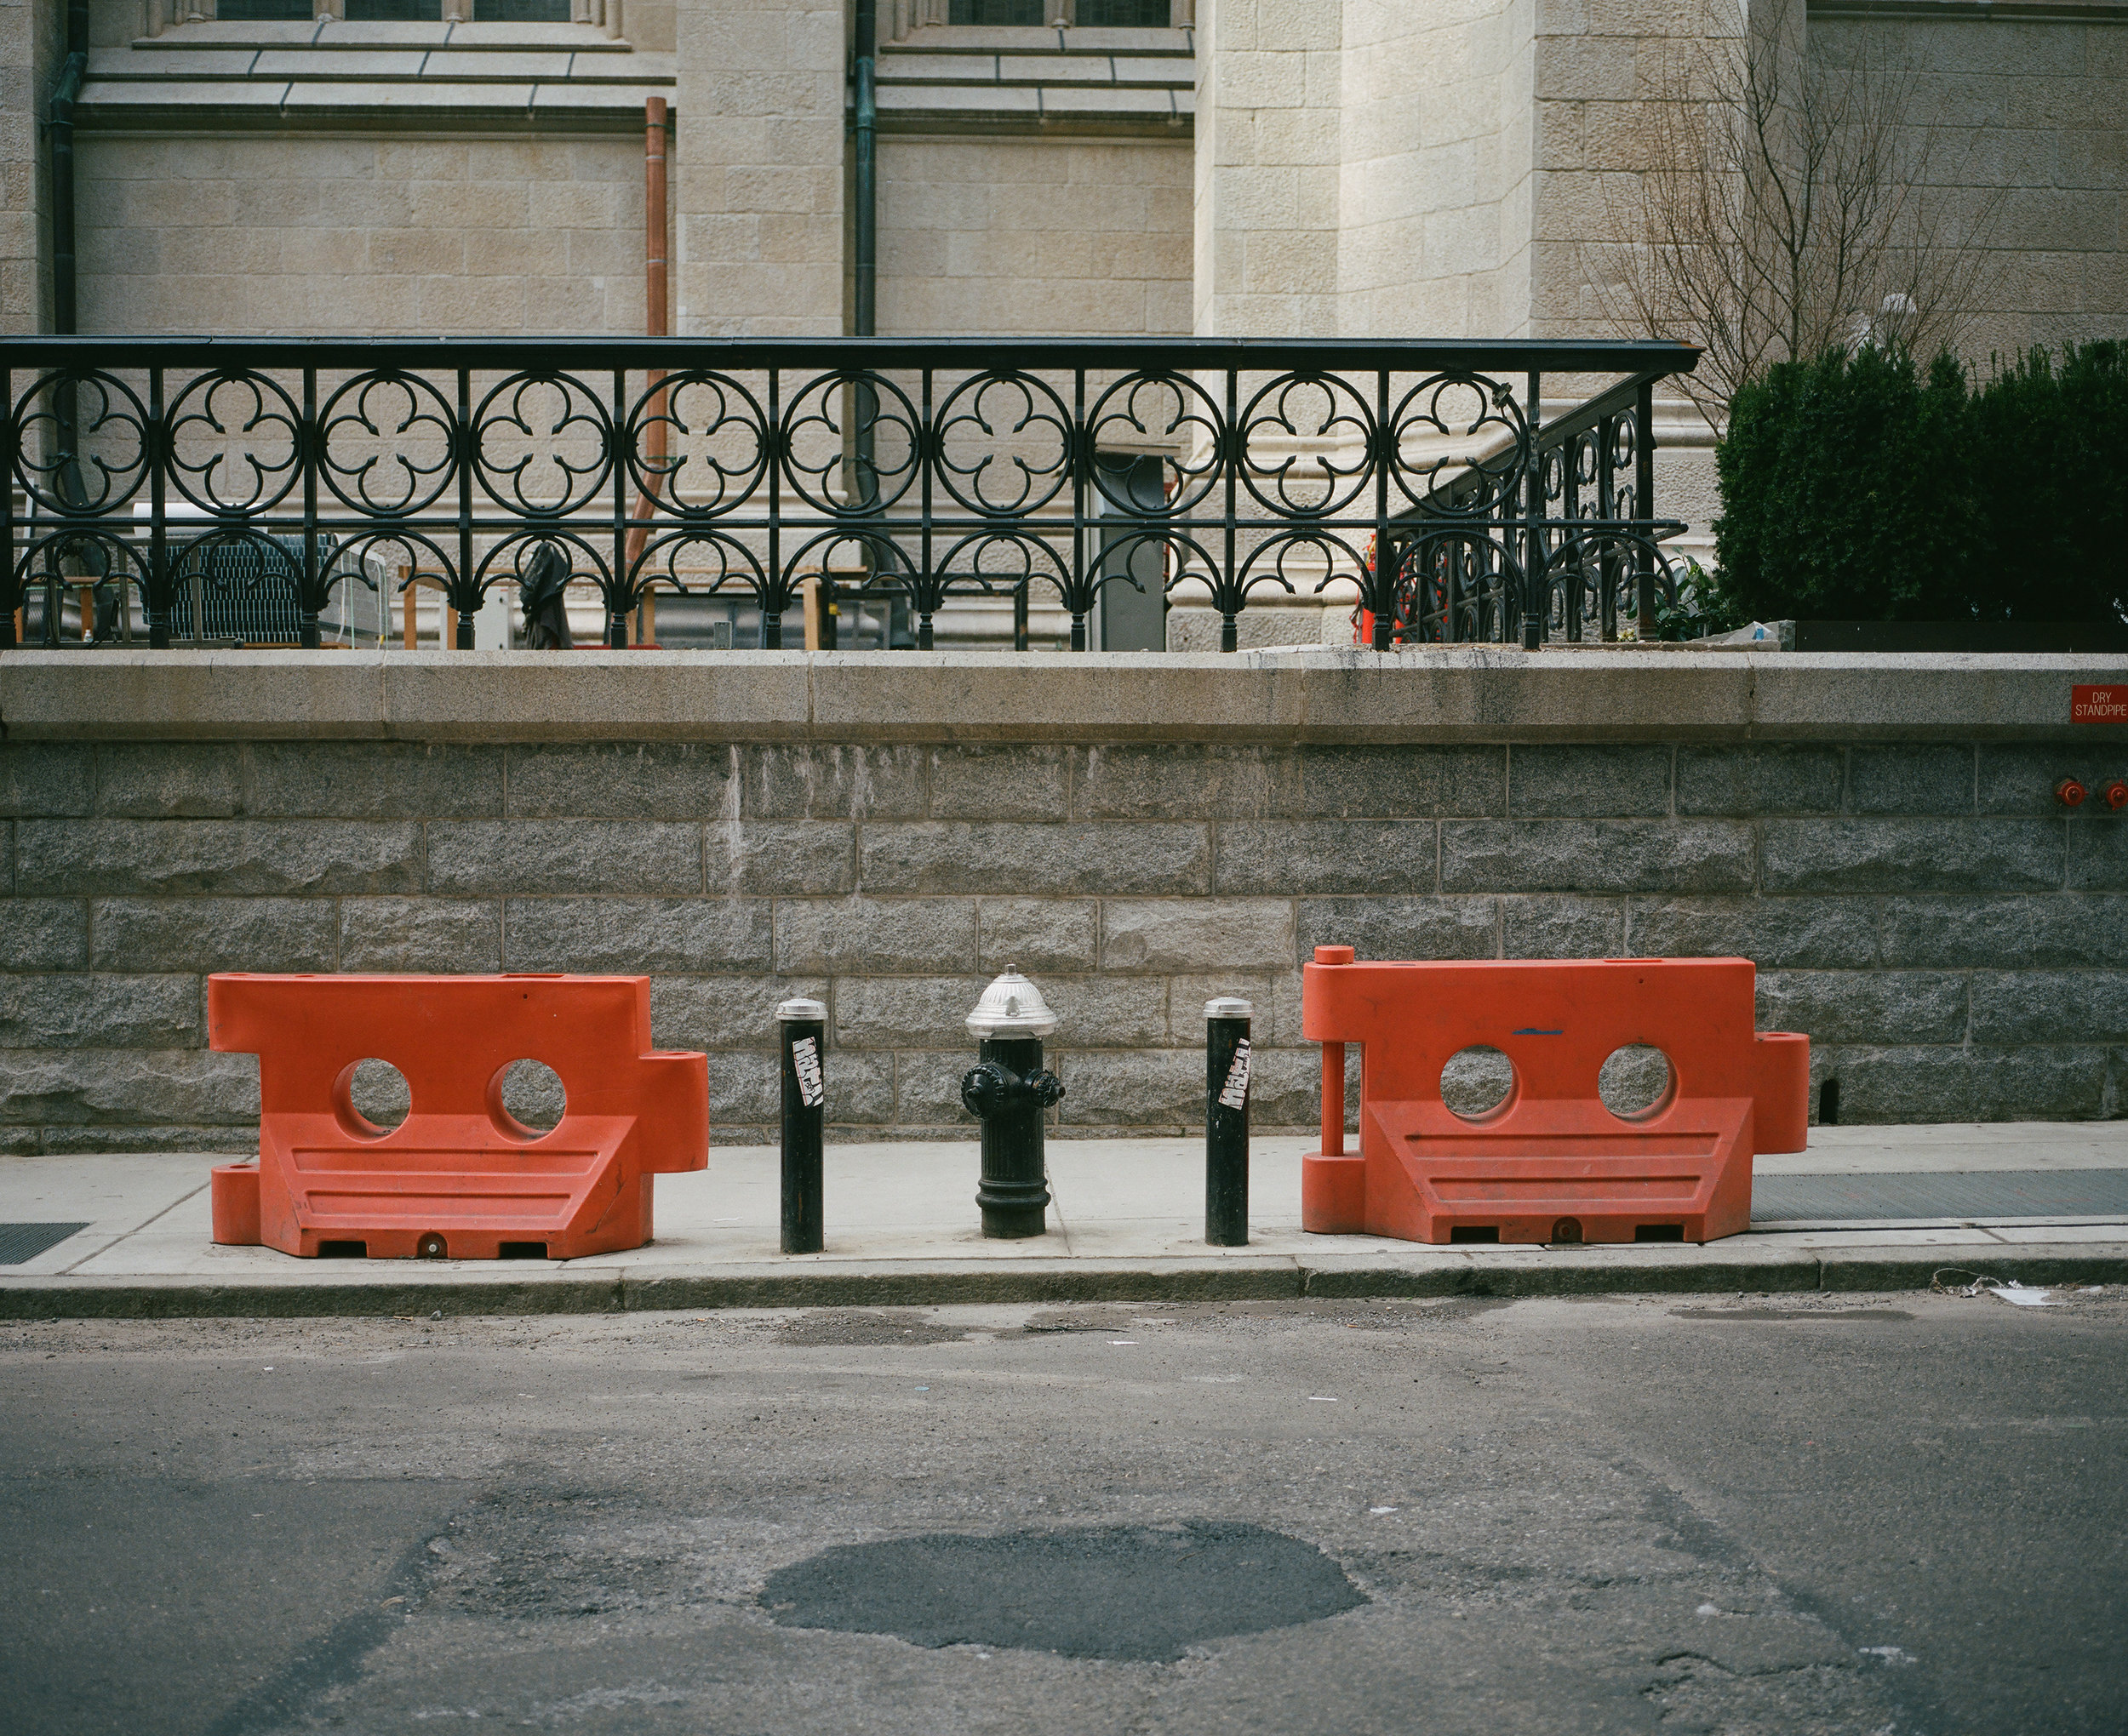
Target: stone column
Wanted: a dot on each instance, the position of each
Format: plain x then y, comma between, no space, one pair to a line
760,169
1268,145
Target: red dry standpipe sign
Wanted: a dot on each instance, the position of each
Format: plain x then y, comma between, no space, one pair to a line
2098,704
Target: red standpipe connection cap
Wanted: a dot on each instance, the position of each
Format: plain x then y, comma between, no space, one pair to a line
2115,794
2069,793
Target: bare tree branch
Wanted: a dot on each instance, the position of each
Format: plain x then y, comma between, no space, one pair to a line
1791,204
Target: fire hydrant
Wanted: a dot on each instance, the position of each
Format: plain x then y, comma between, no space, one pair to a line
1007,1090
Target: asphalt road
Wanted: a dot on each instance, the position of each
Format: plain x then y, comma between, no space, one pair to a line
1836,1514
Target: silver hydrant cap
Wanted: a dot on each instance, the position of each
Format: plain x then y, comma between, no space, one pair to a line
1012,1007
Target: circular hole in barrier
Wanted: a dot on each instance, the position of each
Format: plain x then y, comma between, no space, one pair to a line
370,1099
527,1098
1636,1081
1478,1083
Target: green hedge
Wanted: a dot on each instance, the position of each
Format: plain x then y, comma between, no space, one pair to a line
1857,488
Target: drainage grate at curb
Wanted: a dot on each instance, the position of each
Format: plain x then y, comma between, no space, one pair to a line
24,1242
1968,1194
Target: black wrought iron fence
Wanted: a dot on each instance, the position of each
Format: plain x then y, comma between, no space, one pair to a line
189,486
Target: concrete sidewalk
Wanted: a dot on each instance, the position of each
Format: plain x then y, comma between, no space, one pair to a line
1128,1223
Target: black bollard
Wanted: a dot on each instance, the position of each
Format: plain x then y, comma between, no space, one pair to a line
1226,1123
803,1025
1008,1091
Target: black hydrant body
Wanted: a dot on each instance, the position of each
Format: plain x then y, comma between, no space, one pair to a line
1009,1092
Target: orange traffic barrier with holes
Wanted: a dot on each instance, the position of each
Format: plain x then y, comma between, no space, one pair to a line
1549,1163
460,1177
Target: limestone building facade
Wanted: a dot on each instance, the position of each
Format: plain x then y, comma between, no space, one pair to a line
1277,168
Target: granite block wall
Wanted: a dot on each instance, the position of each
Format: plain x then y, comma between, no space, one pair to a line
1956,947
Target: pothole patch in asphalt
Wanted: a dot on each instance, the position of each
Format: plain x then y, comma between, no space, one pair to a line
857,1326
1134,1593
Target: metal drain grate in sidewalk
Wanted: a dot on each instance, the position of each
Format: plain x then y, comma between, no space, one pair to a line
22,1241
1980,1194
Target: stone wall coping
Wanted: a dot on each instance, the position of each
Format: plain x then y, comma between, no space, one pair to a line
1467,694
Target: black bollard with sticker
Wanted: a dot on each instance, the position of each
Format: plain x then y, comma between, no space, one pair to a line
804,1027
1226,1122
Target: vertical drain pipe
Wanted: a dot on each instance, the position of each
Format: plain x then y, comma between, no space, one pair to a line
657,323
865,321
61,130
868,191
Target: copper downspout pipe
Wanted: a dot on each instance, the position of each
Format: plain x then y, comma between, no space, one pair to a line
657,323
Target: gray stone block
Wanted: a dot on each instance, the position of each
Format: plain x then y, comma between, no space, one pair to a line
1015,781
2016,778
927,1095
634,936
1865,1005
215,934
1164,936
1091,857
41,778
1110,1012
1035,933
1910,779
111,857
1596,855
781,856
1389,783
888,1012
565,855
1599,781
847,935
2043,928
1130,1088
170,780
1401,927
1879,1085
746,1088
2053,1006
624,780
240,1141
1286,1089
64,1010
1164,780
43,933
1562,928
724,1012
1326,856
421,934
1823,933
836,780
2098,853
373,779
1913,855
1746,781
141,1087
859,1089
2038,1084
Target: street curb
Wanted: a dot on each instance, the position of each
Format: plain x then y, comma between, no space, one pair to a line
1424,1272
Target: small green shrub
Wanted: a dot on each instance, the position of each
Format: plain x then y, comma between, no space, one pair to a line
1848,491
1856,488
2051,460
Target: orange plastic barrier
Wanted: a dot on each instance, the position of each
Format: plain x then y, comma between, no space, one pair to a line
460,1177
1550,1162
